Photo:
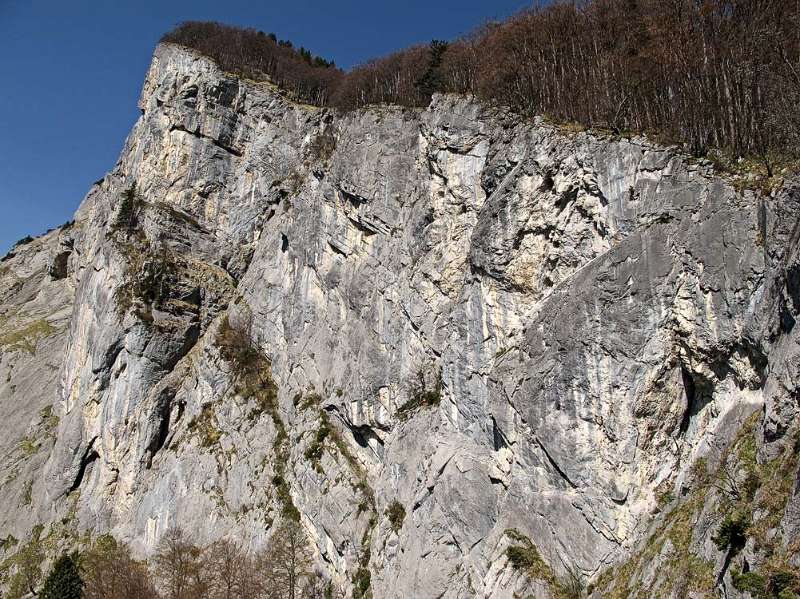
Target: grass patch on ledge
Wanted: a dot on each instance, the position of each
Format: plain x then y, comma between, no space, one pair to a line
252,379
422,396
751,499
523,556
205,427
27,338
327,436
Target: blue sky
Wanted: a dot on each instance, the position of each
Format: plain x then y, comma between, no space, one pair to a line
71,72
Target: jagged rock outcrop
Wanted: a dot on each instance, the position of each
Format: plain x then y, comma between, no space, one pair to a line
523,336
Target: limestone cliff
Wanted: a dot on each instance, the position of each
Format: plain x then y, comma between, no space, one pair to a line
529,338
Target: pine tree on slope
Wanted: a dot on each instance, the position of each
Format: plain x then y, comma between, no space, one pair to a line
64,580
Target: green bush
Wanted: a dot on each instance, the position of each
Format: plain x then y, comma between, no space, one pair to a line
749,582
778,585
28,565
251,369
521,557
151,276
49,419
421,396
396,514
782,583
284,494
570,586
314,451
155,280
28,446
361,584
7,543
524,556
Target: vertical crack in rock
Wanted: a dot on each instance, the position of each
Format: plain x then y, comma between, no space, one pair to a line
555,465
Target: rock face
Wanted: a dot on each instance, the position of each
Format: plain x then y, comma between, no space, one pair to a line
525,337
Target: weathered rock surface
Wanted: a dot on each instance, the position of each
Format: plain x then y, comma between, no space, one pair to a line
582,319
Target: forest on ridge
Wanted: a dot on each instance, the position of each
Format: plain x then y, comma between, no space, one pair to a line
705,73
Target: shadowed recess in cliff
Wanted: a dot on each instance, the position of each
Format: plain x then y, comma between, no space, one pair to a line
89,456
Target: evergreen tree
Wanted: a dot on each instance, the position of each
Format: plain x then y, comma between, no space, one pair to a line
430,82
64,580
128,209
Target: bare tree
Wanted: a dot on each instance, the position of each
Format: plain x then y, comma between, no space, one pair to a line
712,74
179,565
110,572
286,562
233,572
257,55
